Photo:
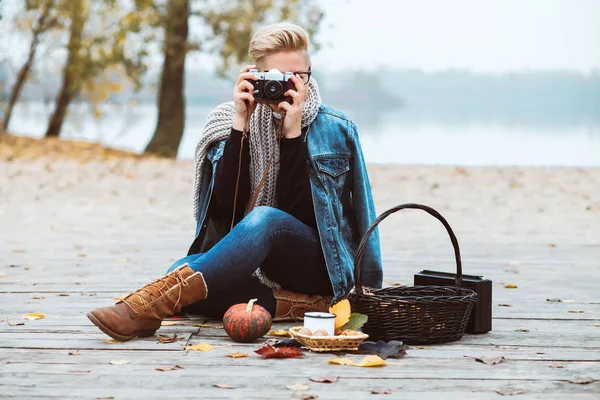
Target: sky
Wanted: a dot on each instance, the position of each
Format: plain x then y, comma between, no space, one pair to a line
486,36
479,35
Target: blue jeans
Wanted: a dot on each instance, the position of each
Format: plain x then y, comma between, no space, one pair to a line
288,252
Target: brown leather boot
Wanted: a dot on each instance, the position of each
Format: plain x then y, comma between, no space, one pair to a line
140,313
291,306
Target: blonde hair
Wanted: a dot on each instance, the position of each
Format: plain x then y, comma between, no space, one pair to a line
278,37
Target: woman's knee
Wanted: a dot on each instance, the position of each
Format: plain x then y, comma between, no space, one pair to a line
264,218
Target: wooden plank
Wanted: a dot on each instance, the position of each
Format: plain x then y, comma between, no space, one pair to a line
204,364
539,333
435,389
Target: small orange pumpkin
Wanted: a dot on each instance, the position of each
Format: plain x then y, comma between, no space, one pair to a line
246,322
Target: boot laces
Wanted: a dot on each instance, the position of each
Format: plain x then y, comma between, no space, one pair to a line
145,296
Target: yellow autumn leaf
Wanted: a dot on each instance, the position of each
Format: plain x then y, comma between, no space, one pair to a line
371,361
237,355
280,333
113,341
34,316
342,313
341,361
200,347
368,361
510,286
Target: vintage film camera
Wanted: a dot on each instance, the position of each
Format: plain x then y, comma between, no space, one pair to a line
271,86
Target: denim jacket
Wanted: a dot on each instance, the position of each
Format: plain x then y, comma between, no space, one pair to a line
342,200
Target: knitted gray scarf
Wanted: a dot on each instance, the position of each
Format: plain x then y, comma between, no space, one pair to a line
263,143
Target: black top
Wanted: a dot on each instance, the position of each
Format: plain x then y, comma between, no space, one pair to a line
293,190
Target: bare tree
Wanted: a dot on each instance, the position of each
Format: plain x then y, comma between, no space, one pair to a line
44,22
171,101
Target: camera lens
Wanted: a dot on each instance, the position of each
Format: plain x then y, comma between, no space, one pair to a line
273,89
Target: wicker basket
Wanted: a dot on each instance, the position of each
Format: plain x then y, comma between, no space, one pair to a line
417,314
328,343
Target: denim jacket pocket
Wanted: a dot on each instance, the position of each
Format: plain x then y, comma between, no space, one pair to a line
333,165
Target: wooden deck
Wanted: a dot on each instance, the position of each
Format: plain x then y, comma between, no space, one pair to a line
66,269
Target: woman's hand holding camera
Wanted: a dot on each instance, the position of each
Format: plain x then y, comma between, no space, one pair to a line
292,124
243,99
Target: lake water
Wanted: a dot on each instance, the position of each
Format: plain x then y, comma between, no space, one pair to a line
392,139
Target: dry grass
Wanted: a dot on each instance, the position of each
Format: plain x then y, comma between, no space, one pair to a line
25,148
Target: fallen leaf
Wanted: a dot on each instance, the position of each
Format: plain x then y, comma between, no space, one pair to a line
105,398
381,391
113,341
368,361
397,284
222,386
342,312
120,298
582,380
34,316
341,361
2,274
552,245
280,333
576,311
80,371
63,294
510,286
269,351
596,325
165,323
297,388
488,360
355,322
200,347
504,305
509,391
290,342
422,348
391,349
305,396
167,338
325,379
82,255
37,298
17,324
556,365
371,361
237,355
119,362
74,353
169,368
557,300
521,330
208,326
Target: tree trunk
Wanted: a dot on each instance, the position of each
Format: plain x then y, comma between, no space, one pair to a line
171,103
71,82
26,68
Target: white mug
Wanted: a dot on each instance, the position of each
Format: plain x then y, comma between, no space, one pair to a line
320,320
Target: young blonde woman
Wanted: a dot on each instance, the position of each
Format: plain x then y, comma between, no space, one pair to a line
281,201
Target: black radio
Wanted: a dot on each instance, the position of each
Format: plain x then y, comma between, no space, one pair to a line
480,320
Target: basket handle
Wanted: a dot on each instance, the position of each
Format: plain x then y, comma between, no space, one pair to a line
427,209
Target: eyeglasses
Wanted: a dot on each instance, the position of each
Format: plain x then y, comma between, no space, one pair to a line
304,75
